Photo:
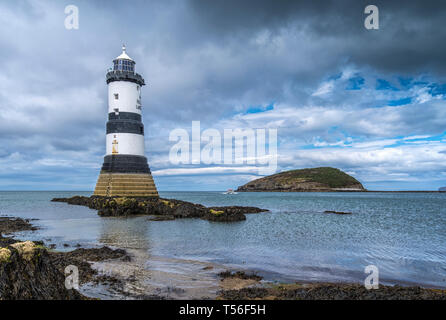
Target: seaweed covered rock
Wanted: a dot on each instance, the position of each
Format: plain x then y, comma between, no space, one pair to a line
10,225
76,200
27,272
223,215
332,291
82,257
123,206
169,208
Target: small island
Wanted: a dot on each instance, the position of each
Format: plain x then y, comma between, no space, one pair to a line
320,179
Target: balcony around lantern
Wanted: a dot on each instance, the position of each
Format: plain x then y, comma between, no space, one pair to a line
118,75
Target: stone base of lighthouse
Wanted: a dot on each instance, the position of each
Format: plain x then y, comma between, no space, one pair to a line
125,175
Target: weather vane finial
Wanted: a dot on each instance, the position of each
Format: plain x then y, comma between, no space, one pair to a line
123,48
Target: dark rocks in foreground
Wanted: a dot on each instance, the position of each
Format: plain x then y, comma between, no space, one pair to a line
239,275
318,291
82,258
10,225
28,272
163,209
332,291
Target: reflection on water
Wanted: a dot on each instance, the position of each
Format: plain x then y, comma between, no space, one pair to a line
128,233
147,274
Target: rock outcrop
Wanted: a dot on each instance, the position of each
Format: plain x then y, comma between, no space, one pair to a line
305,180
10,225
168,208
82,259
27,272
331,291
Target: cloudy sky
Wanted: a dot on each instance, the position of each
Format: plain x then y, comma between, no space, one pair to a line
370,102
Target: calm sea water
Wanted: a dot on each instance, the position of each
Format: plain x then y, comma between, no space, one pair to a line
403,234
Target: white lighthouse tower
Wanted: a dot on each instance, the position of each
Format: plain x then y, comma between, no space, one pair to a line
125,171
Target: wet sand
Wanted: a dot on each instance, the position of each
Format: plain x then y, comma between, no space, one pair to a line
161,278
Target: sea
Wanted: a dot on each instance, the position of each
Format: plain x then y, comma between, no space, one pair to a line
402,234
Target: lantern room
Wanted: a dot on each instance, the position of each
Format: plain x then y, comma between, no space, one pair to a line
124,62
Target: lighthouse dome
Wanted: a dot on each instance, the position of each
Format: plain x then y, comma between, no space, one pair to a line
124,55
123,62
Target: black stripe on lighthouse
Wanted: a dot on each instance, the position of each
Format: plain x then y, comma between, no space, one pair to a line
125,163
124,116
125,126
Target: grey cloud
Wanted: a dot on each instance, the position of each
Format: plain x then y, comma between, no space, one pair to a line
208,61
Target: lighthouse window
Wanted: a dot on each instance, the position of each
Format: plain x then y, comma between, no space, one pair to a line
124,65
116,96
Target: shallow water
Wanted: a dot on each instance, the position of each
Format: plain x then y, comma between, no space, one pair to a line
403,234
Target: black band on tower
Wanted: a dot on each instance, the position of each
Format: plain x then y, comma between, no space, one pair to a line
124,116
125,126
123,163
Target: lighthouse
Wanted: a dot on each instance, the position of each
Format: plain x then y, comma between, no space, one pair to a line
125,171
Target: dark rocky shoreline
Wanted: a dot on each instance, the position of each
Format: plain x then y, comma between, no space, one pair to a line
30,270
10,225
163,209
321,291
332,291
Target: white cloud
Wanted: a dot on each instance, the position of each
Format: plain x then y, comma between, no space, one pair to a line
207,171
325,88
